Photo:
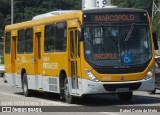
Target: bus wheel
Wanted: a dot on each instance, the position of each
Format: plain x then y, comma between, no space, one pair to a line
152,92
2,74
4,79
126,97
26,91
67,96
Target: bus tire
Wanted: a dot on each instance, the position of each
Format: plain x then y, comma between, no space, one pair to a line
152,92
68,98
26,91
4,79
2,74
126,96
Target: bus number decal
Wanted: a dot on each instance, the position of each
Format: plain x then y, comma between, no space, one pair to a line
45,59
47,64
106,78
23,59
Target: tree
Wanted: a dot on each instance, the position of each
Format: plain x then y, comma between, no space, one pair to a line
26,9
156,23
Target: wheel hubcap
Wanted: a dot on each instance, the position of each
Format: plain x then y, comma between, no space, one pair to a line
66,89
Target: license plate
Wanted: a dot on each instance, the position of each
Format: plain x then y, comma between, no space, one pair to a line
122,90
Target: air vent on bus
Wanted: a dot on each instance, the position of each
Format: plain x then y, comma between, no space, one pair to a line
53,85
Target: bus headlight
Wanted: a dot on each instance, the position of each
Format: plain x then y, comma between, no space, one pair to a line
90,75
150,73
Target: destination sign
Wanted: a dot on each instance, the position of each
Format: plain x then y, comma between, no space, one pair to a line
115,17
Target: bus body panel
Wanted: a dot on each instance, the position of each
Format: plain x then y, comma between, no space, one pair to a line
90,87
43,68
116,77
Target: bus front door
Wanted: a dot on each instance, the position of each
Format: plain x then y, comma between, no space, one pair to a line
73,59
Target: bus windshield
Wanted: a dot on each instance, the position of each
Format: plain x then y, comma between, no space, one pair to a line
118,45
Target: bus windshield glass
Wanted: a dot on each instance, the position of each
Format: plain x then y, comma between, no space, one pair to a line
118,45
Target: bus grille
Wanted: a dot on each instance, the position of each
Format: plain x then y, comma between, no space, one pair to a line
53,85
113,87
120,70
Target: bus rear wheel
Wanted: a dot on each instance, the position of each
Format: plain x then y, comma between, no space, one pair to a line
4,79
68,98
26,91
126,96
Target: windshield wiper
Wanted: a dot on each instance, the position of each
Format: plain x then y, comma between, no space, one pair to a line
129,33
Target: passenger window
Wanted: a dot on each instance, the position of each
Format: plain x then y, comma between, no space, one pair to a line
55,37
7,42
21,41
49,40
29,40
61,37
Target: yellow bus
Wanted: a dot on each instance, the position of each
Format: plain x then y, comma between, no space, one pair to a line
94,51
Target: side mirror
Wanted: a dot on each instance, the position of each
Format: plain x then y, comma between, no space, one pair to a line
155,41
79,35
82,34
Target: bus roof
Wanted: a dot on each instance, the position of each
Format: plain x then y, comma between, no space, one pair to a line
69,15
99,10
53,13
46,20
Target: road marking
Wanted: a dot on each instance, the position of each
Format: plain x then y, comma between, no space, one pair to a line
109,113
42,102
13,95
56,103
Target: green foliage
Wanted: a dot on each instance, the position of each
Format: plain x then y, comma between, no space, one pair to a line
26,9
156,25
2,60
142,4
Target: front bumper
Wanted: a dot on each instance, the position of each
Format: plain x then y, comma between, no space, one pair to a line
90,87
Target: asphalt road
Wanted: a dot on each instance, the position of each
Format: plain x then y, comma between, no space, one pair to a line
98,104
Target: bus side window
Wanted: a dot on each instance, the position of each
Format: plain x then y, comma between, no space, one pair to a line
49,40
29,40
21,41
61,37
7,42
